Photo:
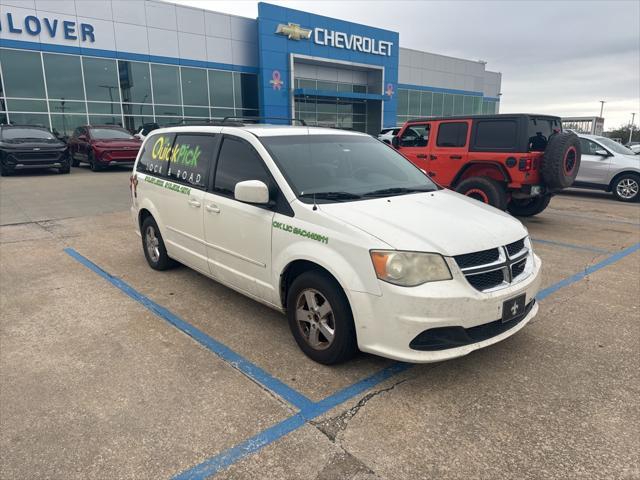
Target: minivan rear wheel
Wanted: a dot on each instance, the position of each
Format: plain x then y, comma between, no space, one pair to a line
320,318
153,246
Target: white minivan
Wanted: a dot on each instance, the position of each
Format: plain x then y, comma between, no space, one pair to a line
354,243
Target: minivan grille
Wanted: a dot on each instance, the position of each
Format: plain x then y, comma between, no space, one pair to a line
494,268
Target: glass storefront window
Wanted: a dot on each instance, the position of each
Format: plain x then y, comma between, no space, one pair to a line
436,107
426,99
327,86
447,107
64,77
403,102
22,73
105,120
345,87
101,79
133,123
194,86
477,105
221,88
38,119
110,108
246,90
66,106
168,121
458,104
196,112
64,125
166,84
306,83
222,112
26,105
137,109
359,89
414,103
168,110
135,82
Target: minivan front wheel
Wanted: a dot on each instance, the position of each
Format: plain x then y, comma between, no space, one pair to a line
153,245
320,318
626,187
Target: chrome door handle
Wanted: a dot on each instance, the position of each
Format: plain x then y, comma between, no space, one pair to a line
194,203
212,208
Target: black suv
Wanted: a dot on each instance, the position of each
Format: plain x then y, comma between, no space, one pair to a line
26,146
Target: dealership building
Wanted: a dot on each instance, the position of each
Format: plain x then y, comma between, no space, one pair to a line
70,63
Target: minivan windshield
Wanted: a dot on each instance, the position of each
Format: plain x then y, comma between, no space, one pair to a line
344,167
615,146
19,133
111,134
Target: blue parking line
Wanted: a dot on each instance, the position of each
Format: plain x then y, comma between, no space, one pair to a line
228,457
570,245
225,353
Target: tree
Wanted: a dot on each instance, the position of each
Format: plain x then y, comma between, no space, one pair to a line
622,133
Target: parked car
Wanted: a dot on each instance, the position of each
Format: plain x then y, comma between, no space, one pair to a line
355,244
103,146
511,162
609,166
145,129
25,146
635,148
387,134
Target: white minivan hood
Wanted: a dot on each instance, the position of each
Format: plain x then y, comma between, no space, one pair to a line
444,222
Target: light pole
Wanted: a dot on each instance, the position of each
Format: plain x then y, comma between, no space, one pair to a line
602,102
633,116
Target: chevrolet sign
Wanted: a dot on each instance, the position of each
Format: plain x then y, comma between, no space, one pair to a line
331,38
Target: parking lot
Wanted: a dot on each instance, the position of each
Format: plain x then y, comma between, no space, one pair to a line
110,369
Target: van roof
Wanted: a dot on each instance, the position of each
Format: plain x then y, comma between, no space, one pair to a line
260,130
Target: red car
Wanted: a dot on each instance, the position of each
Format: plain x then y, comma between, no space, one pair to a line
103,146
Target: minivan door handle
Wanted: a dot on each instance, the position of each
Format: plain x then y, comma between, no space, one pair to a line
195,203
212,208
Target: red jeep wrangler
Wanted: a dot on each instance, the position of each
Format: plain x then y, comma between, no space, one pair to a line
513,162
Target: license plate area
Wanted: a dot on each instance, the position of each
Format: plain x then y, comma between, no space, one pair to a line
513,308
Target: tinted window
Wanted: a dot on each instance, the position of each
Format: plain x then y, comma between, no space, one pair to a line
452,134
110,134
22,74
190,159
496,134
155,155
415,136
101,79
64,78
194,86
135,82
166,84
221,88
238,161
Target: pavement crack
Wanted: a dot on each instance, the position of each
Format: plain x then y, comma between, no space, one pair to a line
331,427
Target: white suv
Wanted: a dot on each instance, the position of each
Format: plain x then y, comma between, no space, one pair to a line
357,245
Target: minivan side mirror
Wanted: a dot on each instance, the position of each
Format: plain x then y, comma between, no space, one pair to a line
252,191
395,141
602,152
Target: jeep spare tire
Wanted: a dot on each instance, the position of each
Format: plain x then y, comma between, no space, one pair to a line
561,160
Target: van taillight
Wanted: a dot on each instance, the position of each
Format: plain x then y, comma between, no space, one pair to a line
525,164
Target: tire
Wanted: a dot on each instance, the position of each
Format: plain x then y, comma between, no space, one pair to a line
93,163
626,187
320,288
484,189
66,167
154,251
5,172
561,160
527,207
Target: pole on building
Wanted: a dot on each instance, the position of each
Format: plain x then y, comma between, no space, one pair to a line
602,102
633,116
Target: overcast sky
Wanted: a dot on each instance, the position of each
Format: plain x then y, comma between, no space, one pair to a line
555,57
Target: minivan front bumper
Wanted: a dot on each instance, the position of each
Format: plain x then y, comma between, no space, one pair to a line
396,324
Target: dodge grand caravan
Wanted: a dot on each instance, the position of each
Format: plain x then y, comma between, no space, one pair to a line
352,241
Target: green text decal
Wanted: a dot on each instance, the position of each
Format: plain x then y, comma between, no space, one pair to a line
168,185
301,232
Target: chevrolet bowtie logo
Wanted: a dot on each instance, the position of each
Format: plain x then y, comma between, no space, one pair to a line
293,31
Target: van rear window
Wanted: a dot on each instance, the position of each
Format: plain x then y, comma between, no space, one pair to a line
154,159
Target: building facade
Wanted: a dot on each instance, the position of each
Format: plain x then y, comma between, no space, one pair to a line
65,63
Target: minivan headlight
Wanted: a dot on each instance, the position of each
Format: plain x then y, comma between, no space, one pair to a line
409,269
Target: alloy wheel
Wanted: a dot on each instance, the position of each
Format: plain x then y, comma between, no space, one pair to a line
627,188
152,243
314,317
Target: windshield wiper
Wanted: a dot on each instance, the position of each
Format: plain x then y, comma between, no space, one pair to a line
332,195
396,191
